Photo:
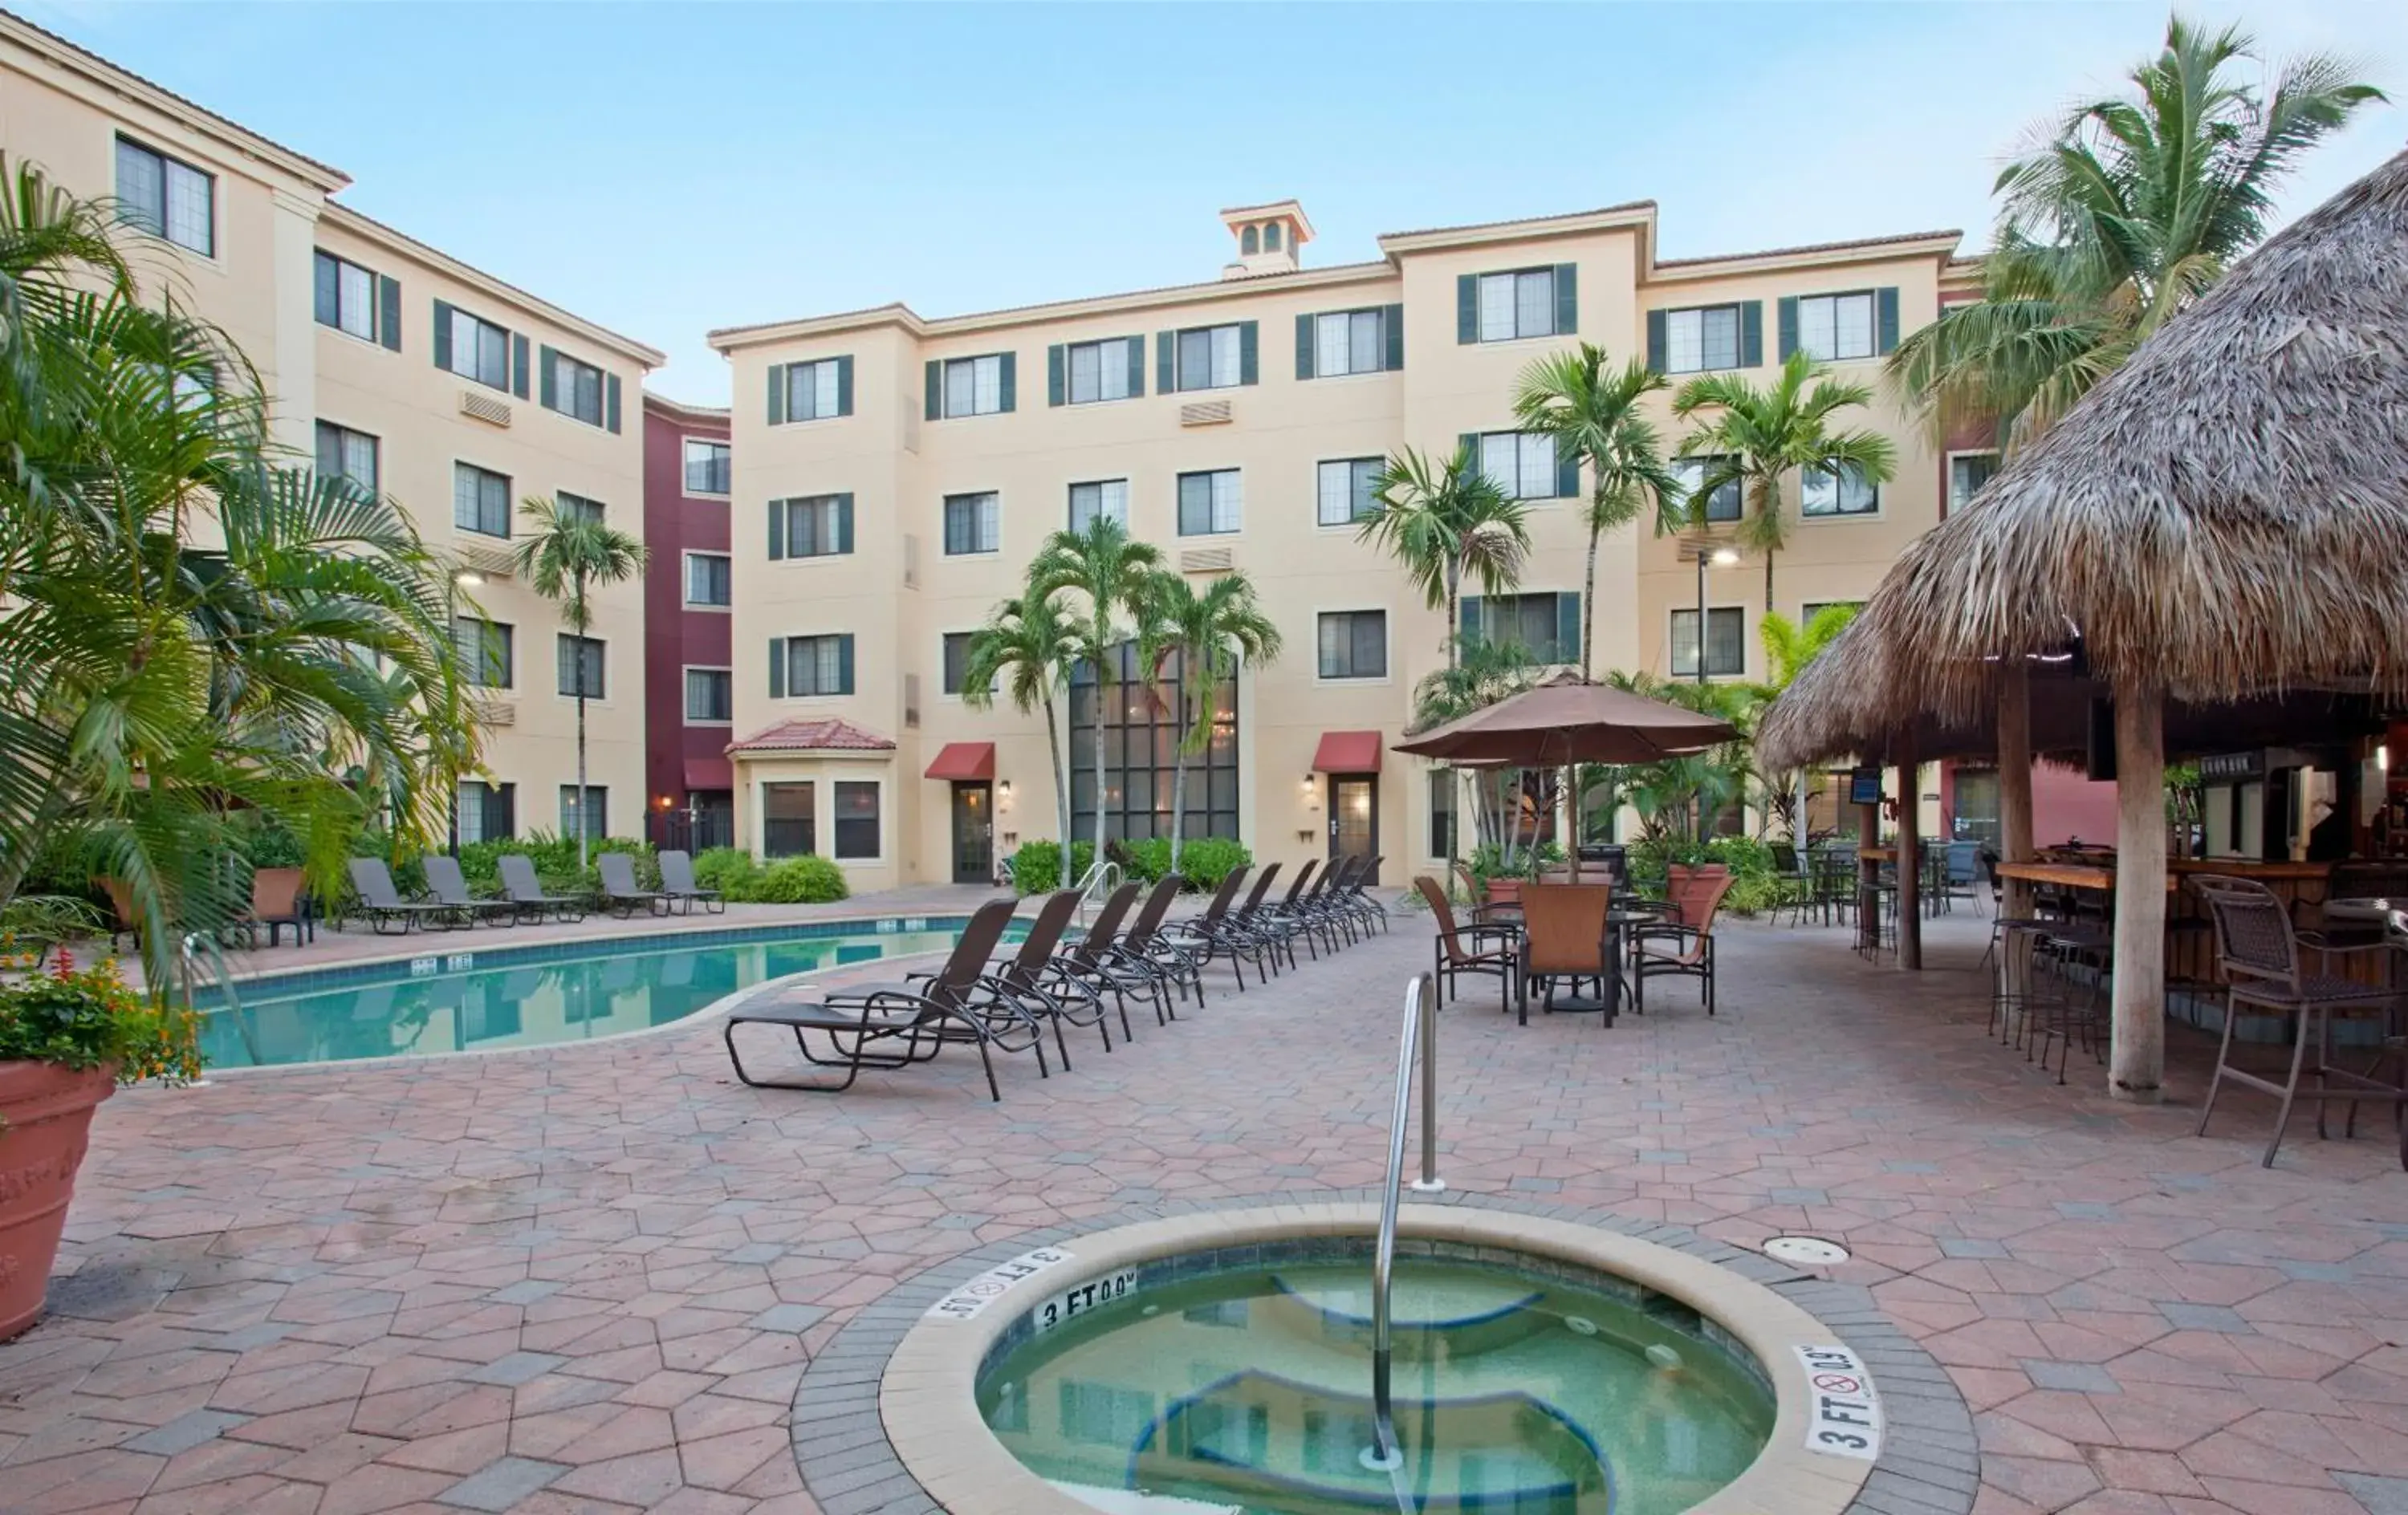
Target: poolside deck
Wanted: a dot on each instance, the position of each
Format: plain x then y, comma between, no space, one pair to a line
587,1278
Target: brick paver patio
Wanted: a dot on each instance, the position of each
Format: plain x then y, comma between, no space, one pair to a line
588,1278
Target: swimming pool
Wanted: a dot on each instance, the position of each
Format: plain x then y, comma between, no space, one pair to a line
469,993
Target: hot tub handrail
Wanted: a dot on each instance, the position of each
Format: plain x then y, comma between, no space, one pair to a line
1420,1036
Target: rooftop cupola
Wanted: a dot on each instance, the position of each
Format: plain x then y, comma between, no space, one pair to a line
1268,238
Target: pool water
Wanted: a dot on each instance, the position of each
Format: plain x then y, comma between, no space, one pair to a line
464,995
1250,1391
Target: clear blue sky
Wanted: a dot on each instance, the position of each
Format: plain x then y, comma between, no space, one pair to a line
664,170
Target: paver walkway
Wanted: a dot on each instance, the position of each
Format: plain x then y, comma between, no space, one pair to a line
586,1278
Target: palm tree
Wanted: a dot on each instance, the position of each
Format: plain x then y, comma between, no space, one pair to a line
1111,569
1757,436
570,553
2116,215
1592,412
1788,647
1211,634
1026,649
1446,525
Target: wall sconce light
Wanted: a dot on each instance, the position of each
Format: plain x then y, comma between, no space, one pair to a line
1003,795
664,802
2383,756
467,578
1311,793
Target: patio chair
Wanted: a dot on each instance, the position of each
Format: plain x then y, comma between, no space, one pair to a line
1283,920
1683,948
895,1025
1026,978
2258,951
449,886
1564,937
1151,959
1477,907
279,897
1238,935
621,894
1360,900
382,904
1202,937
1084,962
1485,948
526,895
677,883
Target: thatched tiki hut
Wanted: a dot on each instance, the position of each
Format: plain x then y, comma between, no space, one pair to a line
2220,526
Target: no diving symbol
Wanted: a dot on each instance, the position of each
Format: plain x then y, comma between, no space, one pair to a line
1838,1383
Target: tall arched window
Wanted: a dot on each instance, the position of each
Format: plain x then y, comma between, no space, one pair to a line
1272,237
1249,242
1142,727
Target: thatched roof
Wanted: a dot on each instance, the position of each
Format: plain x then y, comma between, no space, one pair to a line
2225,518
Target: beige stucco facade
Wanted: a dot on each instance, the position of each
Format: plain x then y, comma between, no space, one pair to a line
269,219
898,592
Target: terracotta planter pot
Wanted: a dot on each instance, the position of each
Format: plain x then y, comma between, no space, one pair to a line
47,1112
1504,891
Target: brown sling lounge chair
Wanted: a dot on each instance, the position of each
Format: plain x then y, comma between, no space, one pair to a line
1473,948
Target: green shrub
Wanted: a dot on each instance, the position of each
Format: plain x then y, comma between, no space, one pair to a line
1038,865
1207,860
796,880
1147,861
727,869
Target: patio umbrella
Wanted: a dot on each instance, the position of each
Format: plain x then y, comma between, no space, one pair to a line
1564,721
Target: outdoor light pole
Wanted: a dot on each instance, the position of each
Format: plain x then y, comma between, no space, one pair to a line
1721,557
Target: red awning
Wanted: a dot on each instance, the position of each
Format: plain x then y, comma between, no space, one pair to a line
969,762
1347,751
710,773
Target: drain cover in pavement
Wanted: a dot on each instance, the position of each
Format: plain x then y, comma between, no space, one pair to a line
1805,1251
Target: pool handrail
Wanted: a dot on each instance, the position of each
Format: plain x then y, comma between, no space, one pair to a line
1420,1036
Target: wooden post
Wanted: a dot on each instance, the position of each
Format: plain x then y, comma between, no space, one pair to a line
2137,1064
2015,785
1910,856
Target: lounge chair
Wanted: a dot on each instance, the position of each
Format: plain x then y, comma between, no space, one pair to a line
1026,979
1682,947
1199,938
677,883
445,881
620,894
895,1025
1480,948
279,897
382,904
1563,936
1084,961
1147,959
526,895
1226,929
1284,922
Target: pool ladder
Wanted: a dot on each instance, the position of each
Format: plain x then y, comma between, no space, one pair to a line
1103,876
1420,1039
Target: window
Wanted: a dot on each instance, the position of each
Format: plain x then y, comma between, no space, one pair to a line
1442,813
1105,497
1833,327
1143,723
1697,340
1270,236
1349,490
973,386
346,296
707,467
1354,644
1250,241
814,665
578,507
572,387
593,815
1967,473
1848,493
1208,503
1724,504
815,390
479,350
857,818
1350,342
709,697
1516,305
818,527
973,523
788,822
485,652
168,198
1098,371
1545,626
344,453
707,579
1725,643
581,665
485,812
1525,465
481,500
1212,357
957,661
1975,812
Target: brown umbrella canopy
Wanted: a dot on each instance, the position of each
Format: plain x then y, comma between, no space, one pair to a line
1565,721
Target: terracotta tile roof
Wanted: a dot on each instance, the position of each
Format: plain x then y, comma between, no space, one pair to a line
827,734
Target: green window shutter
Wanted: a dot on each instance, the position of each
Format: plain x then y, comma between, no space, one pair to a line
844,385
1393,324
1788,322
844,524
1467,618
610,401
326,289
1056,384
777,668
844,664
1751,334
1658,345
1886,317
546,384
1249,342
442,335
1567,471
1568,627
1467,308
519,349
1137,366
1469,442
1304,347
776,394
776,530
1166,362
936,388
1567,298
1010,385
389,312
